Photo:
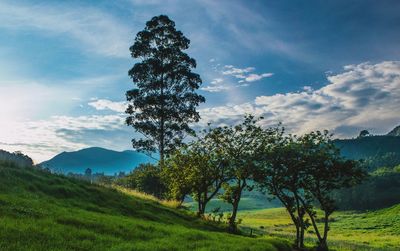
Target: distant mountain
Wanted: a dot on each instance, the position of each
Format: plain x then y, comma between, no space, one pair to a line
98,159
395,131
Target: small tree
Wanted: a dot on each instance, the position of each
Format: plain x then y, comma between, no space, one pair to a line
324,172
281,176
177,174
240,145
304,171
88,174
145,178
197,168
165,101
363,133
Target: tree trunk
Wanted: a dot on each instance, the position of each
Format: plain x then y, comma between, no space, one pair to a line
296,242
323,245
162,123
300,215
235,206
201,207
301,242
232,223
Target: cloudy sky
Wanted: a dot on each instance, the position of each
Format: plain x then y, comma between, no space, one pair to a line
308,64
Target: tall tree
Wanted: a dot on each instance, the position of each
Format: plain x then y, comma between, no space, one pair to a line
165,101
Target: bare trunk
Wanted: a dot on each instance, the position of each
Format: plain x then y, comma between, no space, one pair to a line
162,124
300,216
235,206
323,245
232,220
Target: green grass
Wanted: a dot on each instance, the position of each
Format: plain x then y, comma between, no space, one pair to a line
246,203
41,211
249,201
374,230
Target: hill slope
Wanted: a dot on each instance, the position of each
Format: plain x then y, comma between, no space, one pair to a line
371,146
42,211
395,131
98,159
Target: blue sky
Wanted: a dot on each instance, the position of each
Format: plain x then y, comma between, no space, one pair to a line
308,64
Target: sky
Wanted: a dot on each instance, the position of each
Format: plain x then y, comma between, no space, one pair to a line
311,65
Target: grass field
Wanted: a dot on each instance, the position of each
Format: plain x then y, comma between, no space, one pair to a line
41,211
249,201
375,230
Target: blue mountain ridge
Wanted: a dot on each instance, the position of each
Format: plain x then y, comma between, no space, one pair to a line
100,160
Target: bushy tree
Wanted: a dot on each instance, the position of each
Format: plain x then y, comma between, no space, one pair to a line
145,178
197,169
364,133
16,158
164,101
281,177
178,174
305,171
325,171
240,146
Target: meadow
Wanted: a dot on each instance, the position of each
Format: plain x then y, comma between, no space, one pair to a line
43,211
349,230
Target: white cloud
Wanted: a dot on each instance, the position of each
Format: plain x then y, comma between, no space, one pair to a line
213,88
28,122
95,30
216,85
255,77
43,139
231,70
244,74
363,96
217,81
104,104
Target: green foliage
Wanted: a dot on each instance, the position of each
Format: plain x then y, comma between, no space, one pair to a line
304,171
16,158
165,101
198,169
364,133
145,178
381,189
240,146
178,174
43,211
389,159
369,148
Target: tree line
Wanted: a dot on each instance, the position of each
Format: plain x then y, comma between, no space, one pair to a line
223,161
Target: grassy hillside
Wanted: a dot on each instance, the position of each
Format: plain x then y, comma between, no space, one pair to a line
41,211
374,230
361,148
